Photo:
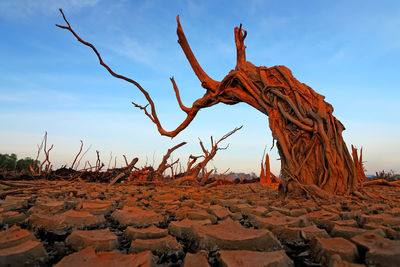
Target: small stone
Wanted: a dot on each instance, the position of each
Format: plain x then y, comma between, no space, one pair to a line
100,240
27,253
197,260
325,248
151,232
158,246
239,258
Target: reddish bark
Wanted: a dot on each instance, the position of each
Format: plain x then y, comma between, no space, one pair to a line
192,171
267,178
309,138
358,164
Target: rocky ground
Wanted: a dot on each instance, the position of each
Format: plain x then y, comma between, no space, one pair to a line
94,224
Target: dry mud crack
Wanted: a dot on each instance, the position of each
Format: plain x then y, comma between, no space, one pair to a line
91,224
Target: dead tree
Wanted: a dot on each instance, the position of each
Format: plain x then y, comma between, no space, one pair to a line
46,161
35,166
358,164
267,178
158,174
308,136
77,155
124,171
192,171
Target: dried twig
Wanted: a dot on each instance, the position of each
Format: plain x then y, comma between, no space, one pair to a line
77,155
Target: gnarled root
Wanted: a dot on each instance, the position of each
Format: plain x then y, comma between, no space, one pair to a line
294,189
382,182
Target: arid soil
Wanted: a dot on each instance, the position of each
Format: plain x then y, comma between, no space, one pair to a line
94,224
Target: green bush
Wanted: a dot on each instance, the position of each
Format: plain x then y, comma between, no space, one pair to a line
10,162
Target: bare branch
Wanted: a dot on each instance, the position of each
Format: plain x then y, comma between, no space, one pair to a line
206,81
240,35
203,148
109,161
77,155
131,165
163,165
228,134
47,155
98,160
178,97
207,100
84,153
208,155
32,169
126,161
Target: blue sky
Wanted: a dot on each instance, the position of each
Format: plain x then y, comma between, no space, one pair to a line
348,51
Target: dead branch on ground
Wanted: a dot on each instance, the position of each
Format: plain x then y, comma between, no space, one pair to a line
193,172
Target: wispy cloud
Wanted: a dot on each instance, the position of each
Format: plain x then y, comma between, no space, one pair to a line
32,96
138,51
27,8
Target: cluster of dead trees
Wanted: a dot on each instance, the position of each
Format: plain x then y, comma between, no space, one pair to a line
195,171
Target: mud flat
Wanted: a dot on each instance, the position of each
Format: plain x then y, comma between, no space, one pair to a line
89,224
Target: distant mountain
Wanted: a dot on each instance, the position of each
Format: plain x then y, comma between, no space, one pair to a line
239,175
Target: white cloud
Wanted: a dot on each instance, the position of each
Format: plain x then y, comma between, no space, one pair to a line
28,8
138,51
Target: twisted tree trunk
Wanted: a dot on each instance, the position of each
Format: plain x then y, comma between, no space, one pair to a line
308,137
